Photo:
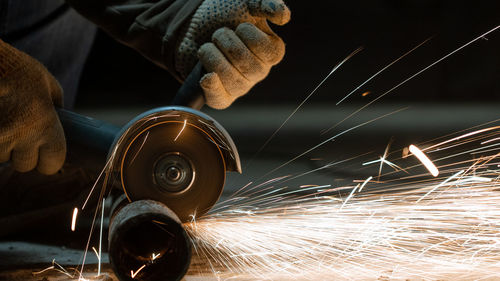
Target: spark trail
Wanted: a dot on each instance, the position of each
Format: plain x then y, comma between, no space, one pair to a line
382,70
415,75
426,229
335,68
442,228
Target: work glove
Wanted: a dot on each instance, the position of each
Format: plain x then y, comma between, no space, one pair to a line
242,49
31,135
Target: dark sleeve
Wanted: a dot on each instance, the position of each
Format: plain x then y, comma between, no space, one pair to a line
149,26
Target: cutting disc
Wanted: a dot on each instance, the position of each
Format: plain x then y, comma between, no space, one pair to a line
176,163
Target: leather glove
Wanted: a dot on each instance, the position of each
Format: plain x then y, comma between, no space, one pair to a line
243,47
31,135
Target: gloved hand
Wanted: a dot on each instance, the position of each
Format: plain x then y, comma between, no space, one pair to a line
236,59
31,134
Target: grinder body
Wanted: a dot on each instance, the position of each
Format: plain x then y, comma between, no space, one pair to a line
170,163
175,154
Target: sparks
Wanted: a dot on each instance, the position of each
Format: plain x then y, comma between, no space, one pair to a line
441,184
140,148
100,238
332,138
43,270
425,160
180,132
413,76
364,183
349,197
56,267
403,233
73,220
362,238
335,68
491,140
424,229
308,185
133,274
97,255
382,70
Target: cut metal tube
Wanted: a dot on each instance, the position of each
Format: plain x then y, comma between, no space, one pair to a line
147,242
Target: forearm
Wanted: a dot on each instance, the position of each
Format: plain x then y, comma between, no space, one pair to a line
150,28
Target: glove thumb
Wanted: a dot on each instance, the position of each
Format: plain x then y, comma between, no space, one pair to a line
274,10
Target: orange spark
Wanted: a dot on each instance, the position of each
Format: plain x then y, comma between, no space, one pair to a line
180,132
405,152
133,274
366,93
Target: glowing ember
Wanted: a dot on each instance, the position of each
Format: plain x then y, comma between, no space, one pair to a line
73,220
425,160
182,130
133,274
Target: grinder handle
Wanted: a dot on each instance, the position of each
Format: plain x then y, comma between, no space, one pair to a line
191,94
87,131
100,135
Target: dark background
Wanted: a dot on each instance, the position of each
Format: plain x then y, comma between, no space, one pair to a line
320,35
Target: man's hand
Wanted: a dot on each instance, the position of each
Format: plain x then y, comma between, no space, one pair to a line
31,135
243,47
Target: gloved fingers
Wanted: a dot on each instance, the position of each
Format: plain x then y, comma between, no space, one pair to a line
237,53
269,48
4,87
214,61
216,95
274,10
52,150
5,151
24,158
52,156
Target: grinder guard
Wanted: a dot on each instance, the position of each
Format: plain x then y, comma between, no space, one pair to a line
208,150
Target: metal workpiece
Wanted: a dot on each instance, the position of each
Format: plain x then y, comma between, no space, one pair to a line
147,242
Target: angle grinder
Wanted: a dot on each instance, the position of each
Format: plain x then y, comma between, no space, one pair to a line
176,154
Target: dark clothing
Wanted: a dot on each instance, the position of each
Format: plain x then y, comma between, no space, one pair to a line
151,27
51,32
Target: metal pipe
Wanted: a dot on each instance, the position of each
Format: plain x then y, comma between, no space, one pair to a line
147,242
